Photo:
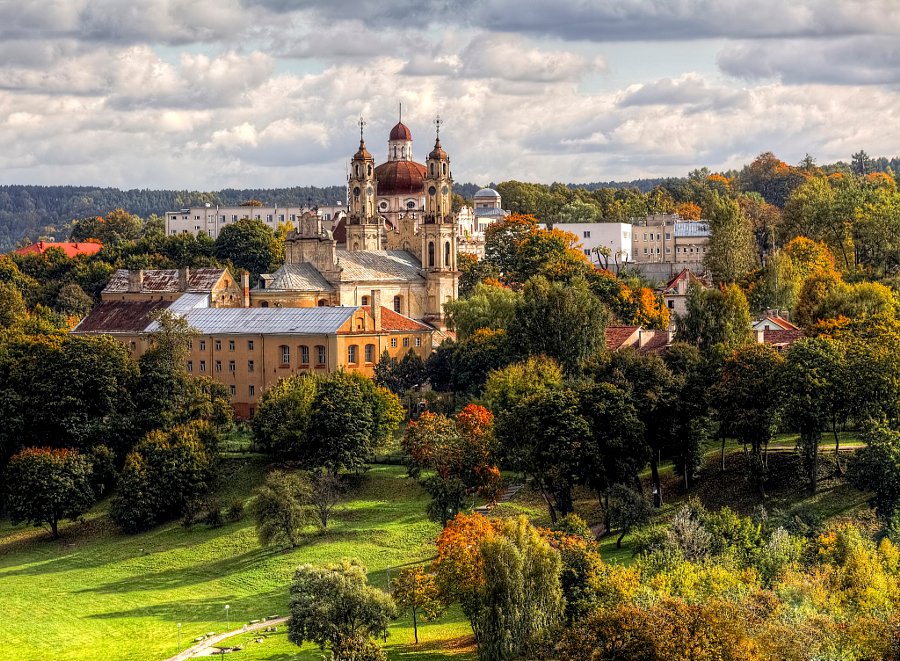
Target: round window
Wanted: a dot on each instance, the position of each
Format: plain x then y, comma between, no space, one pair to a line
356,192
432,190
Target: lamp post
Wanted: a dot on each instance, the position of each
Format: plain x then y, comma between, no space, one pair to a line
227,616
245,637
179,637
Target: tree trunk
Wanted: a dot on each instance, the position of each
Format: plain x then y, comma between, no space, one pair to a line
814,465
654,474
54,529
723,452
839,470
551,509
415,626
621,537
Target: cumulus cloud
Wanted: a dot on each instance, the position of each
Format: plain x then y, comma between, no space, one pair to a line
514,59
690,91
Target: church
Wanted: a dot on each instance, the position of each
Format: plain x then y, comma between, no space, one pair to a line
401,239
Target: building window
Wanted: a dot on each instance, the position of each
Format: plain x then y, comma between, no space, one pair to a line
231,366
671,304
252,391
233,389
320,350
364,300
218,365
351,354
250,345
668,236
190,345
397,302
202,345
405,341
446,254
668,250
264,304
645,251
394,342
285,354
370,353
431,253
586,234
418,341
218,345
587,252
231,345
202,365
322,302
250,366
304,355
190,366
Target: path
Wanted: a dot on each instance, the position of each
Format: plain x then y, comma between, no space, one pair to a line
210,642
509,493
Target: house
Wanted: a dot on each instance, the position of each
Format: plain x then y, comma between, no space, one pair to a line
171,284
594,237
773,322
675,291
72,249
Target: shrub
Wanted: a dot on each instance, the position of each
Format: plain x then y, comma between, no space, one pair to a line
235,510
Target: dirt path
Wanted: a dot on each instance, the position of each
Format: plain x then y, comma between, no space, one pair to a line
211,642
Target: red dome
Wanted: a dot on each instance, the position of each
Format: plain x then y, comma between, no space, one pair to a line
400,178
400,132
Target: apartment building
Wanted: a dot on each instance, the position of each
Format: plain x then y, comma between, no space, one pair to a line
211,219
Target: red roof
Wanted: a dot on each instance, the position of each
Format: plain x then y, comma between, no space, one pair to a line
400,132
685,273
616,336
119,317
782,338
400,178
70,248
394,321
656,344
780,321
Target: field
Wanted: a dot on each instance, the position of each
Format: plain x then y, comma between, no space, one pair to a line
96,594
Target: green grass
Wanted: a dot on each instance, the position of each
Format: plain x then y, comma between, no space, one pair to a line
97,594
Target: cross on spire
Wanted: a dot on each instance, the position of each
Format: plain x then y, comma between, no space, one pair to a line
362,124
438,122
400,116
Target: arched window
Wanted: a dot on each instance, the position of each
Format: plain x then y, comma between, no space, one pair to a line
370,353
357,170
322,302
364,300
397,303
285,354
447,254
351,354
431,166
264,304
431,253
369,170
445,168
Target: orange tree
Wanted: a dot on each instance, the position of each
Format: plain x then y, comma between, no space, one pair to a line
417,591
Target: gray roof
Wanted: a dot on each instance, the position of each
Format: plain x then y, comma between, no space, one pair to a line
189,301
692,228
298,277
276,321
487,192
166,280
379,265
491,212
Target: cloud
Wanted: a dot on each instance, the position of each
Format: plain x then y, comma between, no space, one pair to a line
870,60
515,60
689,90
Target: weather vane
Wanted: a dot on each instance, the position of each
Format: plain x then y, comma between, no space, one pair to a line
438,122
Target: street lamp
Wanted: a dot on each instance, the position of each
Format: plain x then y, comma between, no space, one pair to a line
179,637
227,617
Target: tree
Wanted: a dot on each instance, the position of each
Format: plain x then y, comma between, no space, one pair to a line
715,317
279,509
876,468
732,248
398,376
692,377
72,301
281,423
488,306
522,598
162,474
417,591
248,244
335,605
564,322
12,305
627,510
324,494
508,385
471,360
45,486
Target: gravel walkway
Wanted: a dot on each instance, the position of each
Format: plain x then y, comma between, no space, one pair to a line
218,638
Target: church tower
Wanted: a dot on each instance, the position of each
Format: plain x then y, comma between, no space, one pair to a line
363,224
438,232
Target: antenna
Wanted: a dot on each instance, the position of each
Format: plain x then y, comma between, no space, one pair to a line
438,122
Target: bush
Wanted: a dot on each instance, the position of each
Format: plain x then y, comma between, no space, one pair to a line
235,510
279,509
213,517
103,469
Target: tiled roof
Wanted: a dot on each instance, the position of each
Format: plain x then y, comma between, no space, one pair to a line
685,273
119,317
275,321
782,338
781,322
616,336
400,178
656,344
70,248
166,280
297,277
378,265
394,321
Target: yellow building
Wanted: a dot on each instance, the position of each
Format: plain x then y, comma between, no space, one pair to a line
250,349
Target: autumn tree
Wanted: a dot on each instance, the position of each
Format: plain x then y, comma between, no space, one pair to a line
44,486
416,590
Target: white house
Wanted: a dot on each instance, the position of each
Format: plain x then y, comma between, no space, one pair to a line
593,236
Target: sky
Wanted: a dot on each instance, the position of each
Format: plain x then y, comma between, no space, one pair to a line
211,94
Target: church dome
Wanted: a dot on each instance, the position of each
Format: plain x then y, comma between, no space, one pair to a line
400,132
438,152
487,194
400,178
362,154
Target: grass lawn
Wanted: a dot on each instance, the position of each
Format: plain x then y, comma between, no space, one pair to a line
97,594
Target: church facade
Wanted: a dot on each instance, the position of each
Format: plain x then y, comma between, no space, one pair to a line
401,240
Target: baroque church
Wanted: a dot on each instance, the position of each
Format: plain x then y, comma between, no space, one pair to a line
401,240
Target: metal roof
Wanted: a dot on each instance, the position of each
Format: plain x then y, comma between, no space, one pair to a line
275,321
119,317
189,301
297,277
379,265
691,228
166,280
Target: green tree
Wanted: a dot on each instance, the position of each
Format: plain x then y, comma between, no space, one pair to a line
45,486
335,604
398,376
488,306
876,468
715,317
564,322
731,253
281,423
627,510
72,301
12,305
417,591
522,599
279,509
248,244
508,385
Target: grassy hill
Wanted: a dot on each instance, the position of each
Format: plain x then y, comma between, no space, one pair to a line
96,594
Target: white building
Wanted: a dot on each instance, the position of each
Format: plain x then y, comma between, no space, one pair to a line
594,236
210,219
472,222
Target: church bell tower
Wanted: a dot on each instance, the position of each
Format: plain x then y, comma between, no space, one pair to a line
363,224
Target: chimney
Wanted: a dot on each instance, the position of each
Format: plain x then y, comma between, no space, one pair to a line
184,277
760,335
245,288
644,336
376,308
135,281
